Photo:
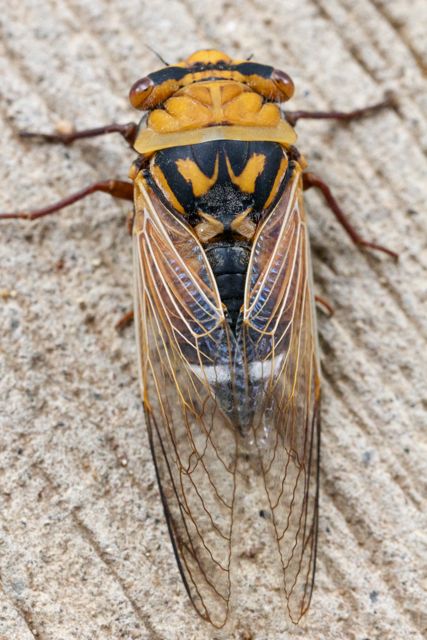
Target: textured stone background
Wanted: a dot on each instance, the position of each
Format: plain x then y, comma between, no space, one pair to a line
84,551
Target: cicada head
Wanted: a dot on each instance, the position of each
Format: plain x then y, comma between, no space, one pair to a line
210,64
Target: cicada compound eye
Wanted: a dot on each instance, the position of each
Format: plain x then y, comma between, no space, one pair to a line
284,83
140,92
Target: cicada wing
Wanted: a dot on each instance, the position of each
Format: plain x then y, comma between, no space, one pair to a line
185,362
279,342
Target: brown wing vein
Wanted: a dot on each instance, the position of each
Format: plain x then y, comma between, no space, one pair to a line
182,332
280,336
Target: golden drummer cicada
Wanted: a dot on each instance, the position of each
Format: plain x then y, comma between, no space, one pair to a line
225,317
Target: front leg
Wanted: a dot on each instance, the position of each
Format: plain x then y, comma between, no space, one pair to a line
293,116
128,131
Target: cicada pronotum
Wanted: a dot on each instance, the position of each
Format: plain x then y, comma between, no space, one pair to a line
225,317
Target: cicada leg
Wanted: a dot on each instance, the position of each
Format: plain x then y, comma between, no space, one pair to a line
324,304
127,131
293,116
116,188
125,321
311,180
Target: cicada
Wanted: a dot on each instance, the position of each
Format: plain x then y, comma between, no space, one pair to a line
225,318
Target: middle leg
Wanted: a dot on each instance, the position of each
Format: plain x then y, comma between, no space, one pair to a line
116,188
311,180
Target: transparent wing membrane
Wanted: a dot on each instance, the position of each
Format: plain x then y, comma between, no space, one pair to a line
184,353
280,346
210,396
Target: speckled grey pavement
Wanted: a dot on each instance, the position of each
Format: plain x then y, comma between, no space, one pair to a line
84,549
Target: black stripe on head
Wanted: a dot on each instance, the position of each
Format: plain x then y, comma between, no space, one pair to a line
177,73
245,68
253,69
221,65
169,73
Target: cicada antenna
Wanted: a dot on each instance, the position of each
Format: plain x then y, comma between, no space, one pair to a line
157,54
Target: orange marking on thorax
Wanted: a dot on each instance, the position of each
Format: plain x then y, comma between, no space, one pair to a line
200,182
164,186
246,180
277,181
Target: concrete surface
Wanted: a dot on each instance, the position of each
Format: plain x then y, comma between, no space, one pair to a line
84,550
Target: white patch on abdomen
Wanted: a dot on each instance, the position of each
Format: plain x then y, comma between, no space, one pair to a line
221,375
